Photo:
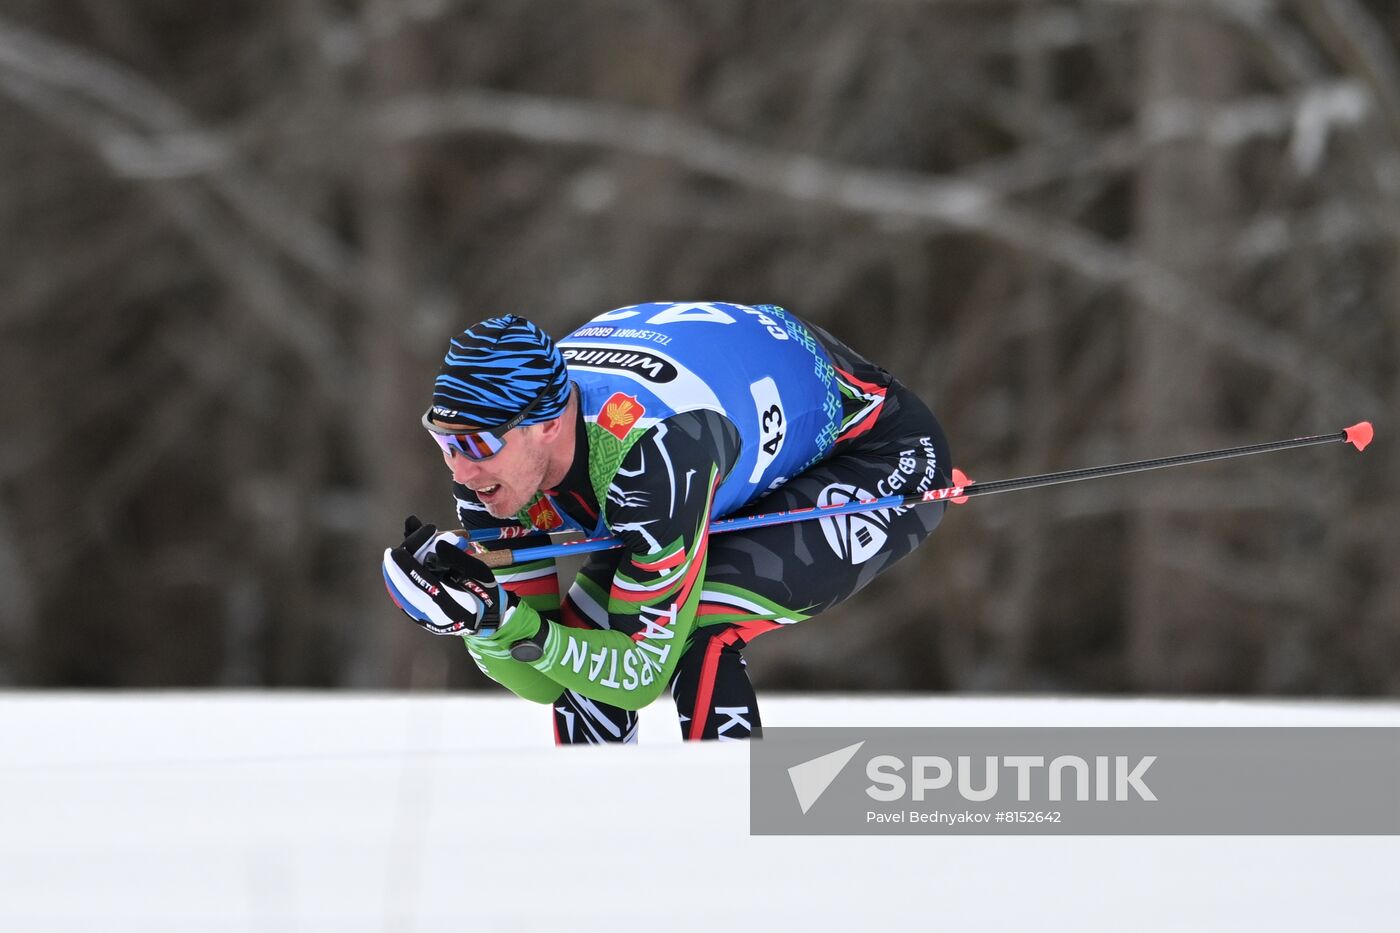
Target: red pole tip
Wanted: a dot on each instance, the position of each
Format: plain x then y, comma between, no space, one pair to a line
960,479
1360,434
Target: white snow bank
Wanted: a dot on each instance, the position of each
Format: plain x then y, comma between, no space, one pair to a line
297,812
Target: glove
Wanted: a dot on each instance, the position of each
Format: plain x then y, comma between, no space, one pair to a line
425,542
439,586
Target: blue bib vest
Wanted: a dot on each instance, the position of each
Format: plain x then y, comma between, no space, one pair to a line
758,366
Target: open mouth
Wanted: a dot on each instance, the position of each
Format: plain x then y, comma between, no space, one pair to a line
485,491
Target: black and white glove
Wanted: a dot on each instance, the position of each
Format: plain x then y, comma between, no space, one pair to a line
439,586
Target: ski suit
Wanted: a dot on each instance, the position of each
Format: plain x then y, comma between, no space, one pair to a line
691,412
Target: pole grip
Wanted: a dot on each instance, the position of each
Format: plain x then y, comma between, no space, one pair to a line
494,559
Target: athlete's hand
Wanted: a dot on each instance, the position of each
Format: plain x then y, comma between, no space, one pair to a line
439,586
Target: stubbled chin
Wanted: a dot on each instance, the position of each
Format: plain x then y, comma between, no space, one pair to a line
505,505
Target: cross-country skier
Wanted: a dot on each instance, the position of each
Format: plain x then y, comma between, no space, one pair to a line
647,423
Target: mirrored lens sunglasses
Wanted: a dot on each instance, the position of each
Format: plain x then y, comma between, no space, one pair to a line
476,445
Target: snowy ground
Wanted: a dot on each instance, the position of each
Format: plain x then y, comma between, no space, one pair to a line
299,812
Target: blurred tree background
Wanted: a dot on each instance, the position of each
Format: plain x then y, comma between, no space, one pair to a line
238,235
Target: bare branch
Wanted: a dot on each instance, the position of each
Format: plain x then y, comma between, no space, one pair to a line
150,137
955,203
1307,116
256,279
1274,234
1357,40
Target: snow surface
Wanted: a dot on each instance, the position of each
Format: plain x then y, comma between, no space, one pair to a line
298,812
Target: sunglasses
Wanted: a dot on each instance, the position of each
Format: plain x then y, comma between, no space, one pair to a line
477,445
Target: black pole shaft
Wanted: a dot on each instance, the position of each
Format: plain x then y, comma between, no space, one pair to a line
1138,466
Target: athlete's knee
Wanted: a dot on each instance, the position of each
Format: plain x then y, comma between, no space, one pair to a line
714,698
907,423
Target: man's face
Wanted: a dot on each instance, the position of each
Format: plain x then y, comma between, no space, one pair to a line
506,482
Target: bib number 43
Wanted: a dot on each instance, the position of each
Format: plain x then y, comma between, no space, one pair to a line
772,426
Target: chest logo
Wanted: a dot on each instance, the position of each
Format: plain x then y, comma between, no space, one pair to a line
543,516
620,413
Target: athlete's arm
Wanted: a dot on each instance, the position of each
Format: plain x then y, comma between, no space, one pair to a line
535,584
659,504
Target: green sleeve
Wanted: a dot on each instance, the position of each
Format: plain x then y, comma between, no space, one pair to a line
600,664
520,679
535,585
651,606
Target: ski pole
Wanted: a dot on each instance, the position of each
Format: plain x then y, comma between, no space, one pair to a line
1358,435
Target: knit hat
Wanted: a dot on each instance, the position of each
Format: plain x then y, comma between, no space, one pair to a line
495,370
